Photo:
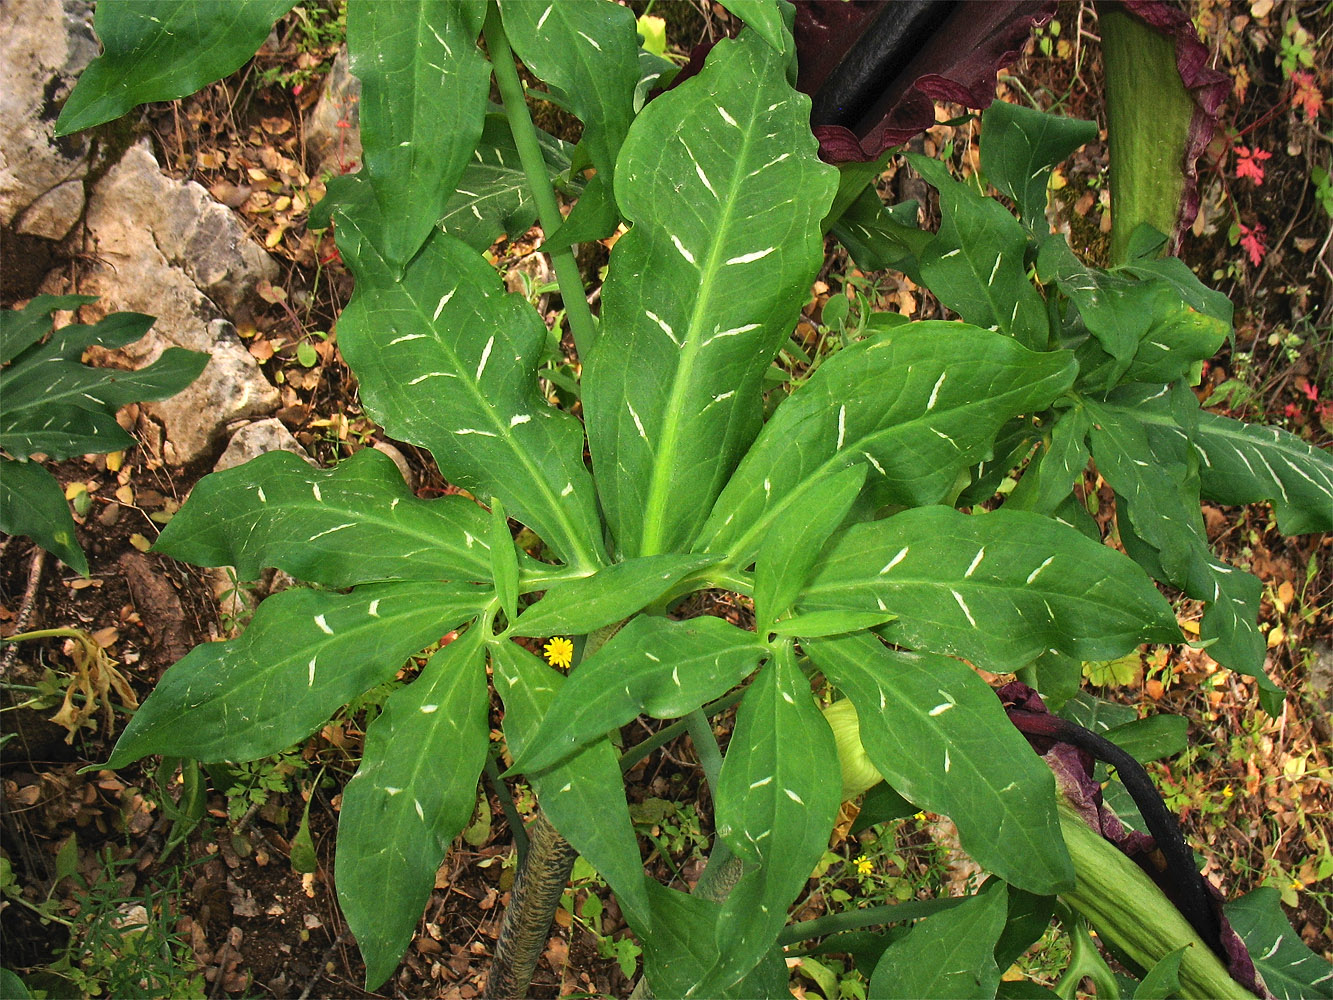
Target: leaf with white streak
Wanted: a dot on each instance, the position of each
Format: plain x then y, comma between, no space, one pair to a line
919,404
584,795
588,51
775,807
355,523
721,181
653,666
424,84
305,654
448,361
977,262
1246,463
412,795
940,737
997,589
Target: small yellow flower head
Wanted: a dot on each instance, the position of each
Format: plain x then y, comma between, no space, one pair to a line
1227,792
863,865
559,652
920,817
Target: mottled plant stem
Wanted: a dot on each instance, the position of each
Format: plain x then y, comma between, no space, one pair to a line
532,904
581,323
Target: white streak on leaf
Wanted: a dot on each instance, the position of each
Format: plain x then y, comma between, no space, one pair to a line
726,117
902,554
329,531
519,418
545,14
748,258
485,356
935,392
591,41
842,427
664,325
315,489
406,337
963,604
374,609
681,247
323,625
462,431
637,422
569,488
262,498
975,562
444,301
421,813
941,709
311,682
761,782
1036,572
429,709
871,459
794,797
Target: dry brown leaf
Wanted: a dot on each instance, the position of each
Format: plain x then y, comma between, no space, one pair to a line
262,350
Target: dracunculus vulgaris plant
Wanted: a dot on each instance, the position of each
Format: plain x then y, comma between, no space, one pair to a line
906,513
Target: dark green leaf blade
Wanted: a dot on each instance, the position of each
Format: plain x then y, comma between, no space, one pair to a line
948,956
775,808
721,181
21,328
412,795
159,50
653,666
424,84
448,361
940,737
306,653
920,404
977,264
997,589
355,523
1248,463
584,796
1162,981
1291,971
33,504
62,431
610,595
1018,149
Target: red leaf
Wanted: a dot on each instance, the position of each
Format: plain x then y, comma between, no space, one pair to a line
1306,94
1252,241
1249,163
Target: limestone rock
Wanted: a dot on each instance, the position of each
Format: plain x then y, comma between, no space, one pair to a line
336,149
44,45
258,438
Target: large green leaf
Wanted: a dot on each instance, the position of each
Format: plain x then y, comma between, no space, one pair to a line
355,523
948,956
21,328
33,504
765,17
882,236
159,50
306,653
584,795
997,589
775,808
1050,476
413,793
587,51
790,549
423,98
448,361
940,737
62,431
608,596
920,404
1019,146
1247,463
721,181
653,666
977,263
1291,971
493,197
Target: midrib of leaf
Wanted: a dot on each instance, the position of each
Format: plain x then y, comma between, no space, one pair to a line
665,454
830,465
585,558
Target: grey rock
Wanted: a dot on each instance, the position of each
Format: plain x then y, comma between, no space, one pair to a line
336,149
44,45
258,438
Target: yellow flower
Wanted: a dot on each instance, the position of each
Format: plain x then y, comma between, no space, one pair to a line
920,817
1227,792
559,652
863,865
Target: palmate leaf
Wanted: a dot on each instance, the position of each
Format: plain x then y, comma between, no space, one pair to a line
940,737
584,795
948,956
919,404
775,807
423,98
413,793
587,50
305,654
448,361
997,589
159,50
33,504
977,263
355,523
721,181
653,666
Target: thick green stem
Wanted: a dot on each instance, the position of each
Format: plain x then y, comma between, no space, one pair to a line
507,805
870,916
532,904
666,734
581,323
